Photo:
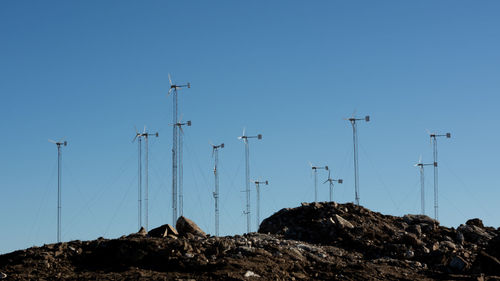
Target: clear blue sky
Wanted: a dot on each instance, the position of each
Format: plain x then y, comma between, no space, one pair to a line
291,70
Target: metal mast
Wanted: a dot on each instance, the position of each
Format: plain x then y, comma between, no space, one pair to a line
215,154
355,143
435,156
257,187
139,141
59,177
330,181
245,138
173,91
422,183
181,167
315,171
146,136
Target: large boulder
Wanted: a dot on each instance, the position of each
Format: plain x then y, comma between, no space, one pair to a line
185,226
163,231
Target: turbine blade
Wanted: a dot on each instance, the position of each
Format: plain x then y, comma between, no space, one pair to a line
170,79
52,141
244,131
327,180
144,131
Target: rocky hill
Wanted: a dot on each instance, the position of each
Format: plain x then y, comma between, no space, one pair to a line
317,241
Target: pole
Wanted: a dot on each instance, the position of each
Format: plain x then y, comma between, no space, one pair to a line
356,169
331,190
216,193
59,159
315,185
139,183
257,185
435,154
422,189
146,195
174,161
247,183
181,191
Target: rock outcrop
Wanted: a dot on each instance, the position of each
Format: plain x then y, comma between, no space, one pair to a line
317,241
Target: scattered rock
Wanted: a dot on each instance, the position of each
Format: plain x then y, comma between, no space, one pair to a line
341,222
186,226
251,274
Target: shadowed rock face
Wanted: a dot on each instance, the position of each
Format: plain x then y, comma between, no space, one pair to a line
412,237
317,241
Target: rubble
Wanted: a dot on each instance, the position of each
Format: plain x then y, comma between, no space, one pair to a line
316,241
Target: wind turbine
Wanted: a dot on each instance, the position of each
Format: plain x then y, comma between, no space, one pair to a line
330,181
315,171
181,167
146,136
173,90
138,136
257,187
59,174
215,154
355,143
245,138
422,183
434,137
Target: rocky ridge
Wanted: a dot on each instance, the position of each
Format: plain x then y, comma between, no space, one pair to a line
320,241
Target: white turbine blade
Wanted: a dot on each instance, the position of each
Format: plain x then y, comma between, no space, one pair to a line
144,131
170,79
420,160
52,141
133,140
169,92
244,131
327,180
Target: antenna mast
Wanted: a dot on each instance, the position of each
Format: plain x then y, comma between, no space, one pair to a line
215,154
59,185
245,138
435,156
355,143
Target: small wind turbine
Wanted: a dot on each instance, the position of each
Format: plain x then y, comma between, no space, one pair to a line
422,183
245,138
330,181
355,143
146,136
257,187
315,171
138,136
173,90
215,154
59,175
433,137
181,167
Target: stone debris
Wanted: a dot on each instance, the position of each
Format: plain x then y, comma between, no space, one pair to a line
316,241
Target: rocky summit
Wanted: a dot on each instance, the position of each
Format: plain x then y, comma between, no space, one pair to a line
316,241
